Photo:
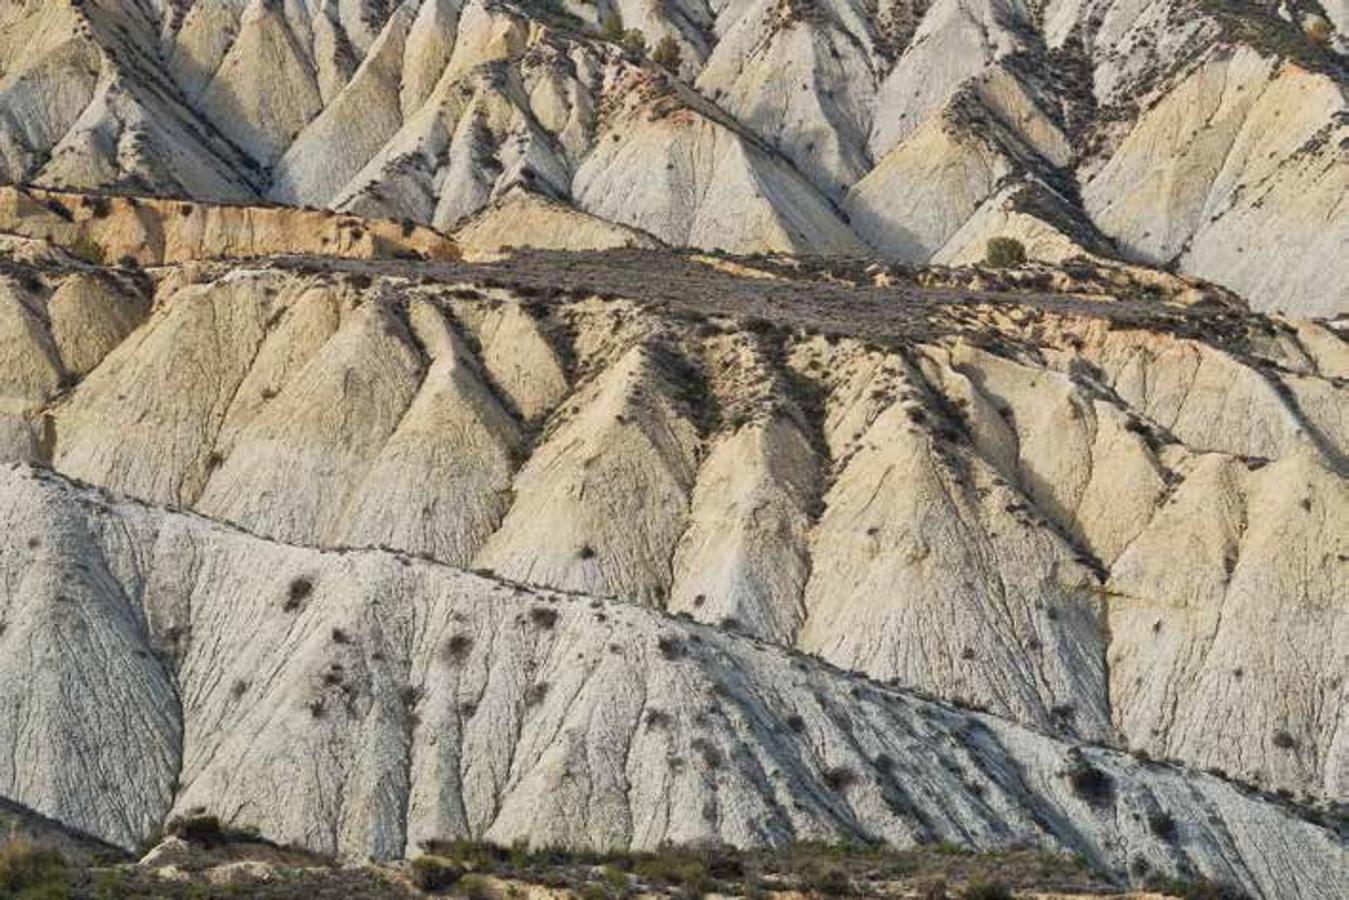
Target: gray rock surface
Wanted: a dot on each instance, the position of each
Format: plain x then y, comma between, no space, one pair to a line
1195,134
357,702
1014,506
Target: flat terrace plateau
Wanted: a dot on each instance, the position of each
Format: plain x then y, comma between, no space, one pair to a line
856,298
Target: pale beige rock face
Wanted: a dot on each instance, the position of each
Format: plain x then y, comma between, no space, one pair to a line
1327,351
434,702
760,65
165,418
522,219
1239,142
308,521
50,76
720,191
337,413
1075,453
518,356
242,94
90,315
1084,499
912,546
743,562
353,126
625,452
1208,399
959,517
923,190
33,364
52,331
307,317
956,41
1200,655
153,232
456,427
1156,132
998,216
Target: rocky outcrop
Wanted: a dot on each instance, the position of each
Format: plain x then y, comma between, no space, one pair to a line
358,702
1243,140
1194,134
328,510
973,507
150,232
523,219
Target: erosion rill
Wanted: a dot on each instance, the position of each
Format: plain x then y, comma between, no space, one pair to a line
616,550
880,450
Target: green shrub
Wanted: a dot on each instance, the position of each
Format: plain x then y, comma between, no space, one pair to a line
1163,825
667,54
676,868
476,887
30,872
543,617
839,778
634,43
472,854
828,882
615,879
1005,252
1091,784
87,249
987,890
434,873
1318,30
297,593
612,29
457,648
199,829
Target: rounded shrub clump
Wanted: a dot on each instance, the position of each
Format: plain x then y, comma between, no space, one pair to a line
1005,253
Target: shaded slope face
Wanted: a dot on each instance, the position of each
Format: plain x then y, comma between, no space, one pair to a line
1204,135
1097,511
360,702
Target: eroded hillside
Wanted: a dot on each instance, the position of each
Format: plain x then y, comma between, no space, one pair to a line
364,702
1205,135
316,526
1114,510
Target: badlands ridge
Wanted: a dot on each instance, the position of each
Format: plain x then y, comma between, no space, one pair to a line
363,545
1207,136
746,510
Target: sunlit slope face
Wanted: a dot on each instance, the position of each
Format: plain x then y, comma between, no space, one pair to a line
1055,494
1200,135
228,672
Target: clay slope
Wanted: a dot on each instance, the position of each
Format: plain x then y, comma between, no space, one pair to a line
1101,511
150,232
358,702
1202,135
